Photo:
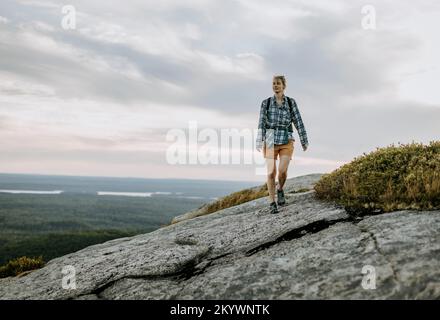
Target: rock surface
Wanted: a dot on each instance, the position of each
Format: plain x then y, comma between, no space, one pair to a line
310,250
291,185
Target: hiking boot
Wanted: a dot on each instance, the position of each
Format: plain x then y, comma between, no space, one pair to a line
273,208
280,197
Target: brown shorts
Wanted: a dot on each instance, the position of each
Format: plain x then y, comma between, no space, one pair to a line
281,149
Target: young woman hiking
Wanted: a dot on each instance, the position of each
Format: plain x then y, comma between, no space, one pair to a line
275,135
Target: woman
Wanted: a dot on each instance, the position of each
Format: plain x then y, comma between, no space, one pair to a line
275,133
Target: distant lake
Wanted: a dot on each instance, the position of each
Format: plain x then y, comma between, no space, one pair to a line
31,191
108,193
110,186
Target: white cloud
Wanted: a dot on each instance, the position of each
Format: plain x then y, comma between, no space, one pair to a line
39,3
277,19
245,64
164,39
11,85
4,20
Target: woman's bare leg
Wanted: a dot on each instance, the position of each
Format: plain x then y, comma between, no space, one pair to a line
282,171
271,173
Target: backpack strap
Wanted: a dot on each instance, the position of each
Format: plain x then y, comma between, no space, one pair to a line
267,103
290,105
289,101
267,107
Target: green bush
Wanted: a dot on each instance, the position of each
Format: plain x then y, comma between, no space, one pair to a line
20,265
406,176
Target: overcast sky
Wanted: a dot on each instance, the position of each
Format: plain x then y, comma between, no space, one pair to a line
100,99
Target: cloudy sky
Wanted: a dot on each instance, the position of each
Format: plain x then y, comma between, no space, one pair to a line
100,99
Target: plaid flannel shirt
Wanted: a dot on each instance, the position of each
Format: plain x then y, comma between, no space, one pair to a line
275,126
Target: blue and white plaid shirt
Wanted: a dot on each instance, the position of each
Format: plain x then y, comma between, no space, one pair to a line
275,126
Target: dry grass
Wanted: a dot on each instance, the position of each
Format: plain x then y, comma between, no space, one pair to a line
231,200
236,198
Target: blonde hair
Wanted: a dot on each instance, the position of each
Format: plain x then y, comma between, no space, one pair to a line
280,77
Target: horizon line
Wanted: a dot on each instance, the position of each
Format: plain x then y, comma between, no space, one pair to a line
140,178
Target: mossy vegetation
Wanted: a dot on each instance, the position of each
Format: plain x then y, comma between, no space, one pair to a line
17,266
406,176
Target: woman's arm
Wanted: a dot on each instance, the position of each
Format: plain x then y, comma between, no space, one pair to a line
261,125
299,125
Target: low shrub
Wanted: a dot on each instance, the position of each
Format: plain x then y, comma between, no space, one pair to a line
19,265
406,176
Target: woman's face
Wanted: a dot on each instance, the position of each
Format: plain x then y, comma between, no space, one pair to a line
277,86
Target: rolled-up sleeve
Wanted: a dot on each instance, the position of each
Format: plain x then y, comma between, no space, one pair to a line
261,134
